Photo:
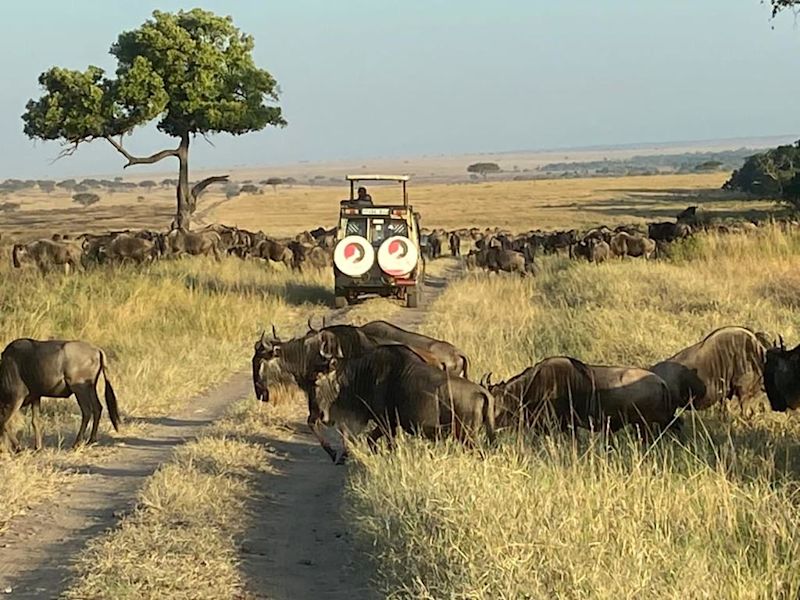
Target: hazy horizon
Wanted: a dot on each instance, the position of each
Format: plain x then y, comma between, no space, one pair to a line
364,81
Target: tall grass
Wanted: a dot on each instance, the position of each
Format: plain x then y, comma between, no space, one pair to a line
711,516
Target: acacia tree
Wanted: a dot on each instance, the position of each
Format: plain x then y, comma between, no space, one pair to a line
191,71
779,5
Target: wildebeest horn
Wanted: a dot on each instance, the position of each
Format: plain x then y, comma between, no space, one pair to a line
275,333
324,323
783,344
311,327
263,340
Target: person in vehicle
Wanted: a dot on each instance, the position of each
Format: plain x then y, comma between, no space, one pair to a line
363,198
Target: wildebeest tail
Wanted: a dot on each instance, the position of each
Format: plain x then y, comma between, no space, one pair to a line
488,415
111,397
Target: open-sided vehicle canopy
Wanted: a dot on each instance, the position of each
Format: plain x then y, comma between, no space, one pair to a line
353,179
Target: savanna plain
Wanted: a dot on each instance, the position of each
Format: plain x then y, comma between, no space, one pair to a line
711,514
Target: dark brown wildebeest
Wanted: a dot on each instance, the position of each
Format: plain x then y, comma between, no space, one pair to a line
453,359
628,395
455,244
668,231
782,377
178,243
728,362
556,393
47,255
625,244
30,370
395,387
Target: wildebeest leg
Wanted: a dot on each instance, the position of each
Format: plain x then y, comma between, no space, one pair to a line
97,411
7,434
85,404
316,428
35,402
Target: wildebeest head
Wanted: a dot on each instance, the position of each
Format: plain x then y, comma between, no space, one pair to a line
782,377
266,350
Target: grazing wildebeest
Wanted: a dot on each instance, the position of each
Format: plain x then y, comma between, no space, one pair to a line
126,247
274,251
628,395
179,242
47,255
30,370
453,359
395,387
625,244
728,362
556,393
782,377
496,259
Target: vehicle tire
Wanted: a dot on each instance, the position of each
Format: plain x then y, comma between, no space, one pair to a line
340,301
412,298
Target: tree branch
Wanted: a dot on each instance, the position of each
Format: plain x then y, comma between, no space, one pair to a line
140,160
198,187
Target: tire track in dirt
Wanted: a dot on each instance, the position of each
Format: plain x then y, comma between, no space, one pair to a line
300,546
37,550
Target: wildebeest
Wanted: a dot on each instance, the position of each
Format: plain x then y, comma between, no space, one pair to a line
496,259
453,359
179,243
782,377
668,231
395,387
728,362
625,244
628,395
455,244
31,369
555,393
563,392
274,251
47,255
126,247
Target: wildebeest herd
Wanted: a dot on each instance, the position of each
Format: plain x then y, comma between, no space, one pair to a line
68,253
493,249
395,378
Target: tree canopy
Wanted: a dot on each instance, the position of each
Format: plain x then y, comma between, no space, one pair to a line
192,72
483,168
779,5
774,173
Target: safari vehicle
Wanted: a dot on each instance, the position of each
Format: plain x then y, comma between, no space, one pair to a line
377,249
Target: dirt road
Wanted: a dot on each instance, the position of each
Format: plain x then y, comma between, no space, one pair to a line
300,547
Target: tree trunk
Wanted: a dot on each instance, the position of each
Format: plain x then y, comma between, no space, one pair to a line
183,216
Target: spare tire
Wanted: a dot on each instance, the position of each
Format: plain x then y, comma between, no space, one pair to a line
354,256
398,256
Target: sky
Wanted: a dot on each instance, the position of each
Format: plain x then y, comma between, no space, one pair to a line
379,78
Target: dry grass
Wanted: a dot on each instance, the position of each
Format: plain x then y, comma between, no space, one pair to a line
182,539
712,516
170,331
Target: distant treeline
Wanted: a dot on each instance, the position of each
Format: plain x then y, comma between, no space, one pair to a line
688,162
